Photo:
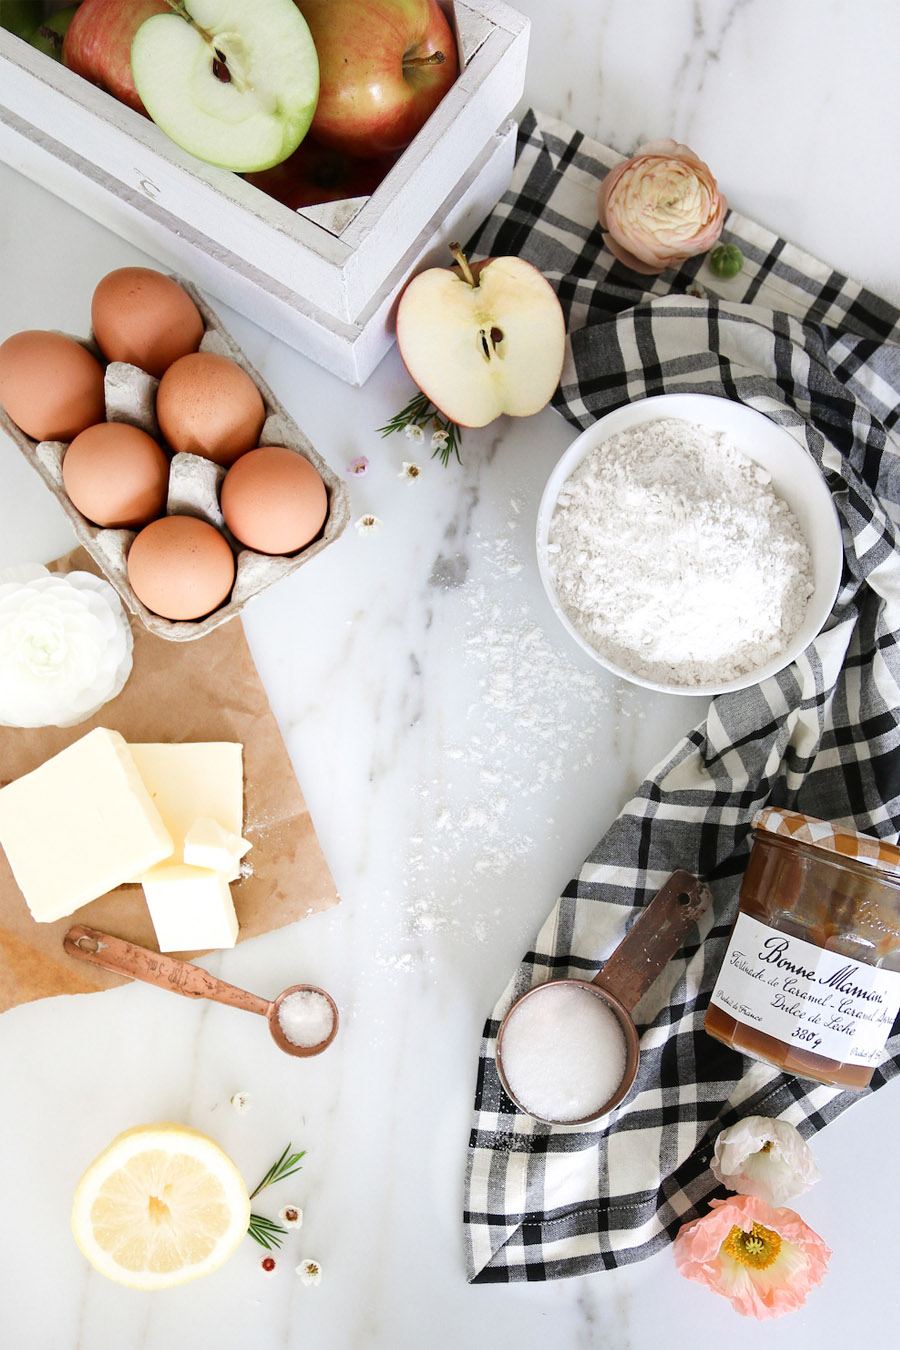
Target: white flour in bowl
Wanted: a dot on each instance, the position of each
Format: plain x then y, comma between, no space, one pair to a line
674,557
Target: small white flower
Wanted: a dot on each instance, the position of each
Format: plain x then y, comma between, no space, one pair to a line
310,1272
368,525
65,647
241,1102
764,1158
439,439
414,433
410,472
358,467
267,1265
291,1216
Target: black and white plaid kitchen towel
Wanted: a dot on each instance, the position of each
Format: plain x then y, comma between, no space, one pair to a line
818,354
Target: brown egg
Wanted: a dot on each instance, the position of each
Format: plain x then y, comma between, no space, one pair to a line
144,317
181,568
50,385
116,475
273,500
207,405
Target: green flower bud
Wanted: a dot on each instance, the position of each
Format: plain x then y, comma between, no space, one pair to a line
726,260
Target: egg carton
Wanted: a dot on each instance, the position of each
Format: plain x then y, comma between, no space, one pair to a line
194,485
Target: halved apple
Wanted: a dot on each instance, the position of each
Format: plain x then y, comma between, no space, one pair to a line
233,82
482,340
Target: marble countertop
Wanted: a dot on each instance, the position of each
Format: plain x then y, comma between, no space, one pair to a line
454,788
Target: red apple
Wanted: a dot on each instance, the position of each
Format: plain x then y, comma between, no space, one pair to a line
315,173
97,45
384,67
482,340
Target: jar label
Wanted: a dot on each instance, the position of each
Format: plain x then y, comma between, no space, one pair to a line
810,998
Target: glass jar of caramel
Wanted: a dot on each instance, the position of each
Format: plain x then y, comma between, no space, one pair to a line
811,977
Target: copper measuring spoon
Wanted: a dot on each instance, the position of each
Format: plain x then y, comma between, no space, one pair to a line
182,977
633,967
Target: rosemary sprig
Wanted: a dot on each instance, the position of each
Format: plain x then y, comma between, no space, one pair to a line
421,412
285,1167
264,1231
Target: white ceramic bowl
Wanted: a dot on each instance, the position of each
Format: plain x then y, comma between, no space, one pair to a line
795,476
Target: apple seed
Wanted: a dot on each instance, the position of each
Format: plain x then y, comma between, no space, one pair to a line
220,67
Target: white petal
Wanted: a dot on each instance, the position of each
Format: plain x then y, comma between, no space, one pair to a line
765,1158
65,648
310,1272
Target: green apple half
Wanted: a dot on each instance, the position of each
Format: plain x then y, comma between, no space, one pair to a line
235,82
482,340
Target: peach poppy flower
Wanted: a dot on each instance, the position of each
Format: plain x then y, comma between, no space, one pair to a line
660,207
764,1260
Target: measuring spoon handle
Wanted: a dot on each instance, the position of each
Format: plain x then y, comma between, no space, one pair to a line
166,972
654,938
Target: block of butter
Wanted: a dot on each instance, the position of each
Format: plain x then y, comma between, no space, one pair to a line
199,778
207,844
80,825
191,908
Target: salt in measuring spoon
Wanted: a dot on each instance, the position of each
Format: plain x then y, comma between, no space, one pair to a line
182,977
625,978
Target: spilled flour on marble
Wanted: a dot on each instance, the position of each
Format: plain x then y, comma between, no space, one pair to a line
531,727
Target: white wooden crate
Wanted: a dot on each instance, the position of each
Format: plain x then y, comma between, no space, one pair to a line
349,349
339,256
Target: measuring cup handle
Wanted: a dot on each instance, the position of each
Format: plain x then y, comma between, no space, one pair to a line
654,938
166,972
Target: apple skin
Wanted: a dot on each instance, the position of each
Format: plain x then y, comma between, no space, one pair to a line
442,321
97,45
314,174
370,102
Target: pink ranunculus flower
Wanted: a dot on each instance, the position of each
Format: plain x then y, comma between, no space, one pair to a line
764,1260
659,207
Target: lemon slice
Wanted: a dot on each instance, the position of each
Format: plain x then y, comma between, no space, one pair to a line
161,1205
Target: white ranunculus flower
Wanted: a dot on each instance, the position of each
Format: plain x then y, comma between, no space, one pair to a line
764,1158
65,647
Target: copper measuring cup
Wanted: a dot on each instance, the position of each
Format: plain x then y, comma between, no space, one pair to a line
633,967
182,977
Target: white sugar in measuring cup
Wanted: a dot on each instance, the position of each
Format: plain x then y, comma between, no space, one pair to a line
625,978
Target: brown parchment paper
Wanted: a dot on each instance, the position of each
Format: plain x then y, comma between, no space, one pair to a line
193,691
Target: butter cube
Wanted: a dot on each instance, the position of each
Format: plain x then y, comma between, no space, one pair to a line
207,844
80,825
191,908
198,778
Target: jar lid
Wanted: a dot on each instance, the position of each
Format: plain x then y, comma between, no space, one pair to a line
824,834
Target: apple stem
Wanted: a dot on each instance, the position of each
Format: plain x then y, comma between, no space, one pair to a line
435,59
463,264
